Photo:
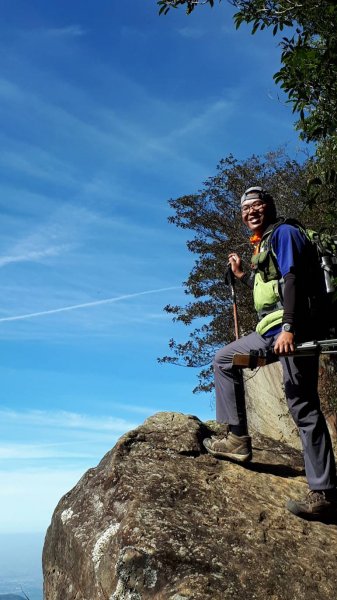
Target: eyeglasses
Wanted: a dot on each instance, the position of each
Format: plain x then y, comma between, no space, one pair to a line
255,205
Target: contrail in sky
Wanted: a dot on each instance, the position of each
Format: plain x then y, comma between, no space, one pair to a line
86,304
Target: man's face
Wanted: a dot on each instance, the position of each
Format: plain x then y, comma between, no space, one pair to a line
256,215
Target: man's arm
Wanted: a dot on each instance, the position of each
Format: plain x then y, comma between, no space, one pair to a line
289,247
248,279
236,266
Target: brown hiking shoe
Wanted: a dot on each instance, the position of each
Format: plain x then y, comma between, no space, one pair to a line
317,503
234,447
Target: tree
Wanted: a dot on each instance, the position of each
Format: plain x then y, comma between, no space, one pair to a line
213,214
309,56
308,73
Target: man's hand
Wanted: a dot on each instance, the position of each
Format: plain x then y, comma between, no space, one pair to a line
236,264
284,343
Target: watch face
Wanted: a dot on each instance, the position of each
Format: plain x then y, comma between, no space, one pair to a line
286,327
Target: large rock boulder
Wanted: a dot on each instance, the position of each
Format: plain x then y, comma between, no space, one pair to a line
158,518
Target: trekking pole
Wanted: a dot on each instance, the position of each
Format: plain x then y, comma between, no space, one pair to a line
230,280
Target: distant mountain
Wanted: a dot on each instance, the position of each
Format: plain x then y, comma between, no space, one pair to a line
11,597
30,591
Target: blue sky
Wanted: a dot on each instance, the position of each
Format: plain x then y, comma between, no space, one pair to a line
106,110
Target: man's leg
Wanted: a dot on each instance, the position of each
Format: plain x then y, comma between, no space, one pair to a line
229,390
230,400
301,379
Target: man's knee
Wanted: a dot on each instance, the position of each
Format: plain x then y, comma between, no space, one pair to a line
305,414
221,358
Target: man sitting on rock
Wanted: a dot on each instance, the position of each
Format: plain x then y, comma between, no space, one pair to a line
281,299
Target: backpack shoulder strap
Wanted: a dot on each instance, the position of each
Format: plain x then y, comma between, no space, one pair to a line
268,234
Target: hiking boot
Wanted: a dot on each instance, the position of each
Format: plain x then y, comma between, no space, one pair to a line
317,503
234,447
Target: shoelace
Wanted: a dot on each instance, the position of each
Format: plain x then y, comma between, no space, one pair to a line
216,438
313,496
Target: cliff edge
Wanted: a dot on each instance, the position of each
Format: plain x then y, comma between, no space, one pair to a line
159,518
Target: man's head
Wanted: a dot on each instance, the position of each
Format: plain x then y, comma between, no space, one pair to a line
258,209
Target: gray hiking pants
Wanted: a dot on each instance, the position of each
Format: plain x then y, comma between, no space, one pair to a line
300,377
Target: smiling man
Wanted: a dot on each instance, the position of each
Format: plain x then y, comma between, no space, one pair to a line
281,282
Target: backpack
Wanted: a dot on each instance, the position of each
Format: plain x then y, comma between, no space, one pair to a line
325,254
322,273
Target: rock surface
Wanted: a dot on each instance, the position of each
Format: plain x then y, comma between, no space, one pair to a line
267,409
158,518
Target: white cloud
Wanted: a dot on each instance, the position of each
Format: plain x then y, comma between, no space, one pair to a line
135,408
44,238
207,119
29,496
35,474
192,33
29,452
32,255
63,229
83,146
133,33
67,420
9,90
36,163
69,31
111,133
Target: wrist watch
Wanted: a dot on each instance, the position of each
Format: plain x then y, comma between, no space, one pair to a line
287,327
